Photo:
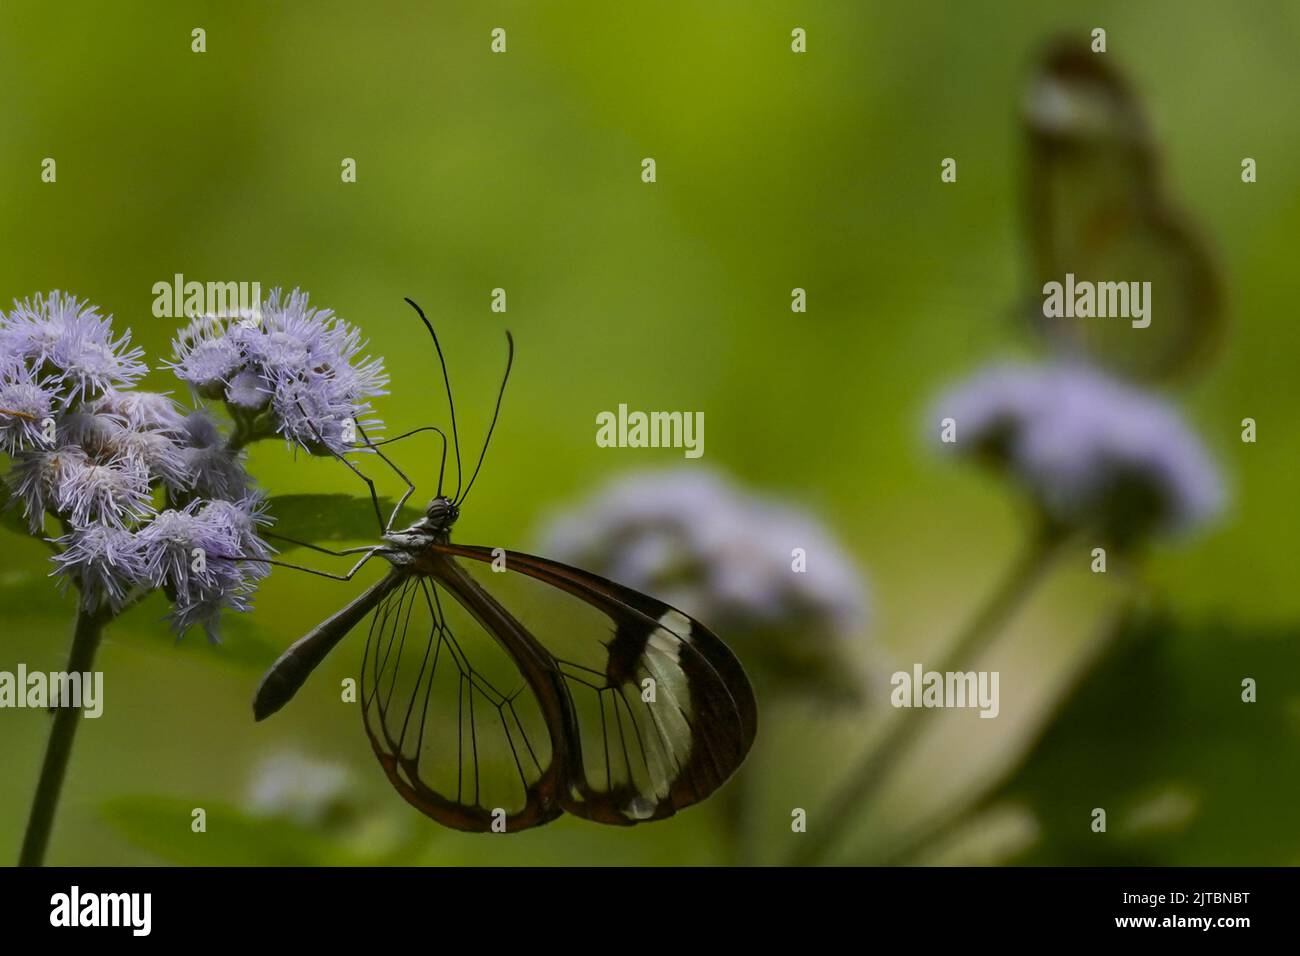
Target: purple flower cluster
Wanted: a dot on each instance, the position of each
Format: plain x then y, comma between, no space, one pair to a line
63,346
290,370
146,496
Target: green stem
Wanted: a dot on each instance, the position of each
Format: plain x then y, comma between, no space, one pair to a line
249,427
867,778
240,438
946,823
85,641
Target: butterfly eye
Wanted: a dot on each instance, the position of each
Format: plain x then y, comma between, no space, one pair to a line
442,509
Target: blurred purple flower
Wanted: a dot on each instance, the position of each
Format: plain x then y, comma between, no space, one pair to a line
727,557
1091,451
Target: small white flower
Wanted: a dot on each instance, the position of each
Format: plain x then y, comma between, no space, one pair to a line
308,791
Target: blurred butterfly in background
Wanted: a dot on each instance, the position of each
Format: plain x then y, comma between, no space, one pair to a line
1097,207
500,690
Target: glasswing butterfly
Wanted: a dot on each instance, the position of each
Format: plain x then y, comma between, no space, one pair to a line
609,704
1097,207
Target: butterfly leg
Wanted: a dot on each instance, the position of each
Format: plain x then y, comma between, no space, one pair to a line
337,553
370,552
374,495
374,446
410,486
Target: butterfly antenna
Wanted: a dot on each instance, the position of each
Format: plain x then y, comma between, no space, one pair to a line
446,380
510,361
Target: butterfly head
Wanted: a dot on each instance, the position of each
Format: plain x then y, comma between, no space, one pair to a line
441,514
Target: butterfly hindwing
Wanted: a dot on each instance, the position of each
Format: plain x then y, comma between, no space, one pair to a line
655,711
459,733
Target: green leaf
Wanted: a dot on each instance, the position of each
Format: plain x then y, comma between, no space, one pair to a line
325,519
245,643
163,826
1159,737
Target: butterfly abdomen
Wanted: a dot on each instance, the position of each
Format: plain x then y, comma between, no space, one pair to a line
293,667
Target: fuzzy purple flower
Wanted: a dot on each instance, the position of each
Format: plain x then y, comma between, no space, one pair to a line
1091,451
216,471
146,426
206,356
244,517
144,411
81,488
105,563
37,479
184,552
26,404
70,345
290,370
114,492
102,465
102,458
88,428
249,390
197,555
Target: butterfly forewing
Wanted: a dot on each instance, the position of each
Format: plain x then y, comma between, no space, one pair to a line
657,710
456,728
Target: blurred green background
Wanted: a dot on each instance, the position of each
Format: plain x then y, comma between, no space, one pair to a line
774,171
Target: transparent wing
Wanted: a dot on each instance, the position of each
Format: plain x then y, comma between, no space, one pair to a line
1098,208
458,731
655,713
